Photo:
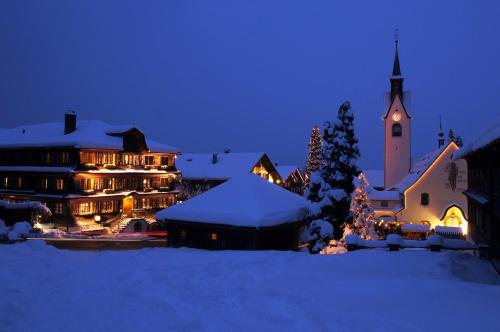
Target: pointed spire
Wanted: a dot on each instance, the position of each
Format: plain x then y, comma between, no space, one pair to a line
396,78
396,69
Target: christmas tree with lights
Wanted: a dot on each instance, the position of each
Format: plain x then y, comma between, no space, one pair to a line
363,215
314,155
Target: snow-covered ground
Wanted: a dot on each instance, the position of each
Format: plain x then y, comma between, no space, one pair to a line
163,289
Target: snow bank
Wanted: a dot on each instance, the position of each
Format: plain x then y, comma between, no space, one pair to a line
394,239
187,290
19,231
435,240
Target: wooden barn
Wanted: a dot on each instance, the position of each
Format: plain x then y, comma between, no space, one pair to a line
246,212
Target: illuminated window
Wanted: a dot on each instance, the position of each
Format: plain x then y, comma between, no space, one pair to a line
19,182
58,208
149,160
396,130
84,208
59,184
424,199
107,206
5,182
65,157
45,183
213,236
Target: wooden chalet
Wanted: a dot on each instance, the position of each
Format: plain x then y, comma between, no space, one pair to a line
483,191
203,171
292,178
246,212
89,174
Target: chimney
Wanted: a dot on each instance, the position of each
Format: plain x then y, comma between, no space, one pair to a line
69,122
214,158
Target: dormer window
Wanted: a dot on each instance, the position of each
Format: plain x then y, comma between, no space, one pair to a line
397,131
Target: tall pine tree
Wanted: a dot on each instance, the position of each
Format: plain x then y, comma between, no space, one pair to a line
332,185
314,155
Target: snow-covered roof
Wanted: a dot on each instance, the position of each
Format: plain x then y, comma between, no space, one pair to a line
245,200
375,177
415,228
88,134
448,229
197,166
486,138
286,171
383,195
419,167
26,205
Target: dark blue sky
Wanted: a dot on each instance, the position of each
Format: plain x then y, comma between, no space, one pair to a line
250,75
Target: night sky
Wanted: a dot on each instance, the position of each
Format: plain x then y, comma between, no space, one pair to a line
250,75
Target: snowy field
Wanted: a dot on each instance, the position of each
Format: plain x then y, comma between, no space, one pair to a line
162,289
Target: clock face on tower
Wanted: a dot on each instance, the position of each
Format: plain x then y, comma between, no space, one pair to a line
396,116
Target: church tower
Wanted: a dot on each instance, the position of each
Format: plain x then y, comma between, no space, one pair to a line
397,123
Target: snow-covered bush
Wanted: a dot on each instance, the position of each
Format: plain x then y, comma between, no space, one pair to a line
19,231
352,239
3,230
318,234
435,240
394,239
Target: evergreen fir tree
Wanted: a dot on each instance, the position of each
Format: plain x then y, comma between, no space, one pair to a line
362,213
331,186
451,136
314,154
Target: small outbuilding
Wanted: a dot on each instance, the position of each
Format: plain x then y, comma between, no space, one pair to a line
246,212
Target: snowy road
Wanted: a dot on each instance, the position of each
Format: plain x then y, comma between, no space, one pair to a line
162,289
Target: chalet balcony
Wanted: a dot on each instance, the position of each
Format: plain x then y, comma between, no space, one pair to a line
167,168
109,191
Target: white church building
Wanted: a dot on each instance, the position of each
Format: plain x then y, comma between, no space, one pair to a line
427,191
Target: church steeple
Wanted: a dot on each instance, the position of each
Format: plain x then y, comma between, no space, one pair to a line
397,78
440,134
396,69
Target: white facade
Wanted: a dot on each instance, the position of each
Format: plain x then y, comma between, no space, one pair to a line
397,146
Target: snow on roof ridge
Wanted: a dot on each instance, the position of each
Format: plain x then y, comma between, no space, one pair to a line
227,165
245,200
488,136
419,167
88,134
286,170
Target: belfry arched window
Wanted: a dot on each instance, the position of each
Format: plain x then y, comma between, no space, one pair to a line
397,130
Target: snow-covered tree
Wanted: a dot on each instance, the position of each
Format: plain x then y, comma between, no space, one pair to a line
363,215
314,155
331,186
